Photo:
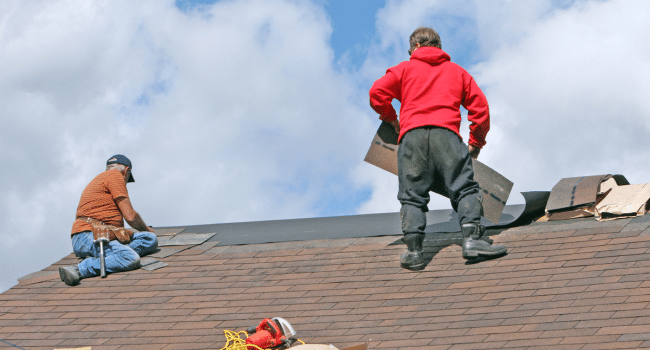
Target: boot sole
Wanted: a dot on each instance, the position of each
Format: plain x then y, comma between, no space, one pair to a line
417,267
66,278
476,254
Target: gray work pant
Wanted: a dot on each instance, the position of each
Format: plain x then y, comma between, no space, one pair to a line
435,159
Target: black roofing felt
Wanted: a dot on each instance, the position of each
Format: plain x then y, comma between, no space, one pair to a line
354,226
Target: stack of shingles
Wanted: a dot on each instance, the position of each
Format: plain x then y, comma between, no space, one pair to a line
603,196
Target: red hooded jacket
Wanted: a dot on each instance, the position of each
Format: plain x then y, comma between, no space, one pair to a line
431,90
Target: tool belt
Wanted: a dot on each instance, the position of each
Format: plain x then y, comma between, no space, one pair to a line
110,232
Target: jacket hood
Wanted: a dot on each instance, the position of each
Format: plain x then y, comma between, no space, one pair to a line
431,55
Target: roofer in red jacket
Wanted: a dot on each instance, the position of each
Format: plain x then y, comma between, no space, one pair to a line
432,155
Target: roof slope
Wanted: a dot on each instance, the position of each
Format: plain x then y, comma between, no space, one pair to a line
575,284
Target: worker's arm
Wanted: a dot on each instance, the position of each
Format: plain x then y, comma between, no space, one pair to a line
478,112
382,93
131,216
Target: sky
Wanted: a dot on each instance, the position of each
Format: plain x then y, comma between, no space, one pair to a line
248,110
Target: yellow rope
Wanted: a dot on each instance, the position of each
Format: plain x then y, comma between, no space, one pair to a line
234,341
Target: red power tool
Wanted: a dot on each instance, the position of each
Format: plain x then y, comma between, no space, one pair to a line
274,333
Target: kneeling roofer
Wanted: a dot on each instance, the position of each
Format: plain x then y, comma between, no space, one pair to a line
103,207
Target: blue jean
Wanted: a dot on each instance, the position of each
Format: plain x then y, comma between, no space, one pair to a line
117,256
435,159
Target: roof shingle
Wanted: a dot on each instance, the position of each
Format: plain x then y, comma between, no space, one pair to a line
575,284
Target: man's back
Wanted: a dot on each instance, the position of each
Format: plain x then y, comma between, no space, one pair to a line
98,201
431,90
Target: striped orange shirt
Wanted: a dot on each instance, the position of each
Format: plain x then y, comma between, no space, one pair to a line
98,201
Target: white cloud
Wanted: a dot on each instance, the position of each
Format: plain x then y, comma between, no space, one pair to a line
573,94
232,113
567,82
236,112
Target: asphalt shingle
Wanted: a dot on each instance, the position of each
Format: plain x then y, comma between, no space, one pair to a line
576,284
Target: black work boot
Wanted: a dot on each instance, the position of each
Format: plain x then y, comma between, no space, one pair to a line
474,246
70,275
413,259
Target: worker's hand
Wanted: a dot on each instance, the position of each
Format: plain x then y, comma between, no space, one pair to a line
474,151
150,229
395,124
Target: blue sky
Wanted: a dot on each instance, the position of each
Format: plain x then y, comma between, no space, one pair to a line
248,110
352,32
352,23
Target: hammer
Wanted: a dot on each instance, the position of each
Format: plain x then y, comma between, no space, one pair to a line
101,241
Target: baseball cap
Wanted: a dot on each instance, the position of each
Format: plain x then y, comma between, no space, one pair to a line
120,159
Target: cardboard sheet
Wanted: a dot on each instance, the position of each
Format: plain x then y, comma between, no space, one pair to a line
577,197
315,347
624,201
494,187
328,347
